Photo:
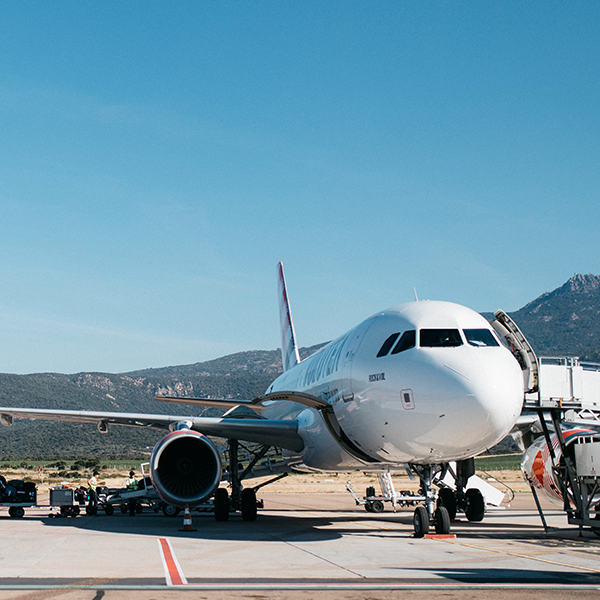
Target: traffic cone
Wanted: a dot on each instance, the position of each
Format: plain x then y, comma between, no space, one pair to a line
187,520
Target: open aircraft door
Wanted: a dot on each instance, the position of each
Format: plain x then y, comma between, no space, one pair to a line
520,348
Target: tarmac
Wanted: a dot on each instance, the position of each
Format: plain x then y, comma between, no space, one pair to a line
301,546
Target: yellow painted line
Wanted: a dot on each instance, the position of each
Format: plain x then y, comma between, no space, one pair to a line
518,555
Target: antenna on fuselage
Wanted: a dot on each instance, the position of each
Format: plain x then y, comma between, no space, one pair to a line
416,297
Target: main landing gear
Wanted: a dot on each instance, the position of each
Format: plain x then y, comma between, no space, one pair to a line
241,499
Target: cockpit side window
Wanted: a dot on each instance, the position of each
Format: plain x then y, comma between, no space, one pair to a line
407,341
439,338
387,345
480,337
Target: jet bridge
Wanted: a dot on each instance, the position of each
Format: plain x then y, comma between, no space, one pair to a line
563,391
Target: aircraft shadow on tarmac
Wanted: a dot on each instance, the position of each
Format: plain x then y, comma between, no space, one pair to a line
517,576
311,526
265,528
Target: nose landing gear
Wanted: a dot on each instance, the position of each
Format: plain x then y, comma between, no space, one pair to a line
425,516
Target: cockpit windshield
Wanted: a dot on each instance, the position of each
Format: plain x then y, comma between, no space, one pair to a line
439,338
407,341
480,337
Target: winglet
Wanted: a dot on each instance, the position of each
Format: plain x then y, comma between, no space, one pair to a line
289,349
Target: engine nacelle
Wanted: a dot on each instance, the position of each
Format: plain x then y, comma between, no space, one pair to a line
536,463
185,468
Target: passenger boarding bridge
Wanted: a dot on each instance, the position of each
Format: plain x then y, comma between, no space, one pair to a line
569,385
565,394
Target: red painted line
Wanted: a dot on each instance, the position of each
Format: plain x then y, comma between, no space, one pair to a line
173,572
440,536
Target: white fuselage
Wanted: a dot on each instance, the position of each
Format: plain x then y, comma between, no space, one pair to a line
446,392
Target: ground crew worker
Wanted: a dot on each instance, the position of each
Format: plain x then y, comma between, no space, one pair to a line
132,486
92,494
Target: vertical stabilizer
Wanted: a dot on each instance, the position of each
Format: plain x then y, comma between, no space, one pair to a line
289,349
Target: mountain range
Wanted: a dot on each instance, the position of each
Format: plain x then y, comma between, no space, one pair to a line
565,321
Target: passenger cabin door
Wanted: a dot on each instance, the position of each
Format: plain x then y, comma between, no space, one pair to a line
520,348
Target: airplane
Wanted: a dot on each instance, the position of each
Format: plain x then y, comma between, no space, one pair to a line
416,387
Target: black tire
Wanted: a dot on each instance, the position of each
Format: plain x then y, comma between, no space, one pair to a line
475,505
369,506
442,521
18,512
109,509
377,506
170,511
421,522
139,508
249,508
123,508
11,511
447,499
221,504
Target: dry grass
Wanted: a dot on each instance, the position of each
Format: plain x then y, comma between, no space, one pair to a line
296,483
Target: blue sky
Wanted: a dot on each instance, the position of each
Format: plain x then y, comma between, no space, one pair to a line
157,159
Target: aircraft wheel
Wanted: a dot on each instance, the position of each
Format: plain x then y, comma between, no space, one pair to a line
377,506
442,521
421,521
447,499
221,504
249,508
109,509
475,505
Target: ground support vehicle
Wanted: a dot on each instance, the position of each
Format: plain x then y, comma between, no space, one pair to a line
145,495
108,499
68,500
374,502
17,495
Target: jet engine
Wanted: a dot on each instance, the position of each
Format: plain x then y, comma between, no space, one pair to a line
185,468
536,464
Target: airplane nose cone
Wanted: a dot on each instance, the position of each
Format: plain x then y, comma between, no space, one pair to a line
494,395
468,403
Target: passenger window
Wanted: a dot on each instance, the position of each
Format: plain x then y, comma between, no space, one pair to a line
407,341
439,338
387,345
480,337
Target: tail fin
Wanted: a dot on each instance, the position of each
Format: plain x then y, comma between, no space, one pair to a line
289,349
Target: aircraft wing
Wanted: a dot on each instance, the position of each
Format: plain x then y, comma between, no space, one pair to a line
279,433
